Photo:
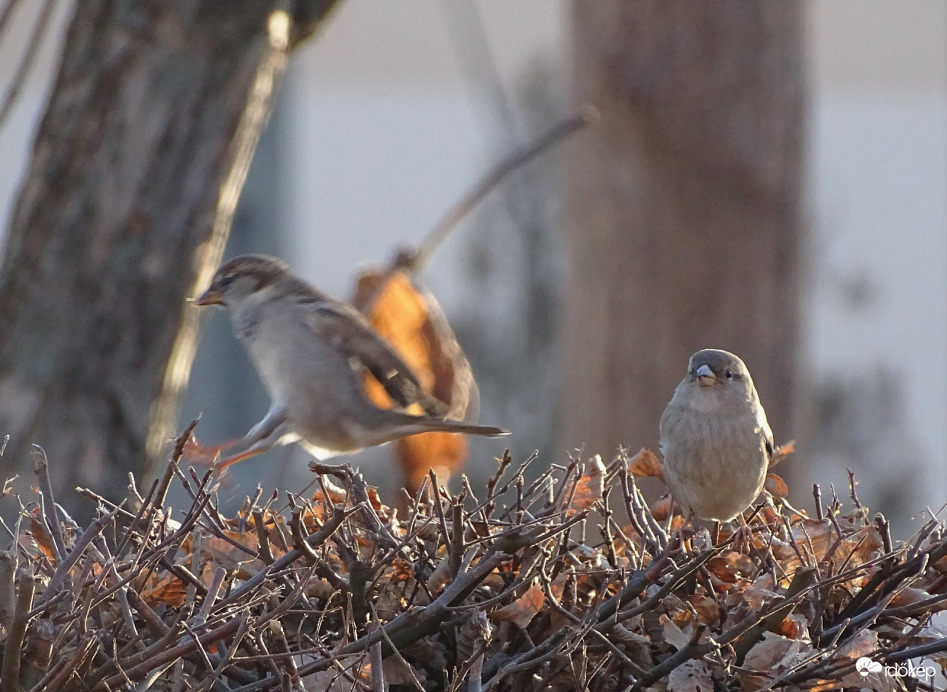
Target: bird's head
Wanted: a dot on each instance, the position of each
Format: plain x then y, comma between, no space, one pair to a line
718,370
242,277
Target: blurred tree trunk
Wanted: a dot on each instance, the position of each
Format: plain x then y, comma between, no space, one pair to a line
136,170
682,209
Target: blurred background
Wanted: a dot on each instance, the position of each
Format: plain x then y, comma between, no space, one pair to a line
387,118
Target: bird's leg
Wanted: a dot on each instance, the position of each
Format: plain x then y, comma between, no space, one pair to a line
686,519
224,464
743,536
261,437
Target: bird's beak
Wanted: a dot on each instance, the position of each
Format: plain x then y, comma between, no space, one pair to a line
705,376
210,297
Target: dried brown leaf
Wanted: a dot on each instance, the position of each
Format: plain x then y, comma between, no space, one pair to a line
708,609
911,595
860,644
757,596
521,611
645,464
673,635
732,566
775,486
221,552
398,672
692,676
661,508
793,627
775,653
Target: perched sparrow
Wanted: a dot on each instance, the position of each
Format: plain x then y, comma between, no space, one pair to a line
715,439
312,353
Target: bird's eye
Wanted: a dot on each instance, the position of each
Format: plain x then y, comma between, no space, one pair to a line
225,281
729,374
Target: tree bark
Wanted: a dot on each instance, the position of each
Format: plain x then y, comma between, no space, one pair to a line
136,169
682,209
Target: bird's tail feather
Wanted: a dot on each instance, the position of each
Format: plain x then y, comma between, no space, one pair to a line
430,424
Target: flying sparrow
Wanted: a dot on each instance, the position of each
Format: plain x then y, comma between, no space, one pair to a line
715,438
312,353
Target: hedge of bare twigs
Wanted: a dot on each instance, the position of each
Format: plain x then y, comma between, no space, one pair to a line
511,588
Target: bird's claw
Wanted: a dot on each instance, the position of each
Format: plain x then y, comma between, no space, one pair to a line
741,537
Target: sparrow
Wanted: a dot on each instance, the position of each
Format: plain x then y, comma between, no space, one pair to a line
312,354
715,439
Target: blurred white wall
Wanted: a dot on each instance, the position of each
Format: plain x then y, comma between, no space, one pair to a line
387,118
878,195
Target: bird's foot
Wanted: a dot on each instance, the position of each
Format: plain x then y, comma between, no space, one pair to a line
206,455
736,533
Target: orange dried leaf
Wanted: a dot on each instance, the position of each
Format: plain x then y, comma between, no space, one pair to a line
444,452
440,576
865,544
224,553
793,627
558,585
821,536
645,464
660,509
400,571
270,519
521,611
373,498
43,540
833,685
167,590
708,610
776,486
410,319
816,535
314,516
590,486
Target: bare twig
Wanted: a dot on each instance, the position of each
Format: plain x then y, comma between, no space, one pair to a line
10,671
41,468
560,131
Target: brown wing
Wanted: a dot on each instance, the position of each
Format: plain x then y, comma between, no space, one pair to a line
366,349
